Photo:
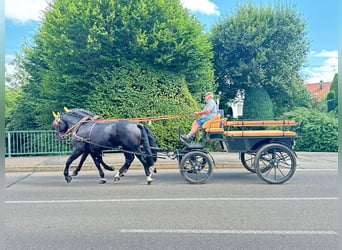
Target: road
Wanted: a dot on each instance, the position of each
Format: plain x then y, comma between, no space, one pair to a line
233,210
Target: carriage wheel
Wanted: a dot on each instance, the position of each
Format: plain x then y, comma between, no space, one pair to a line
196,167
247,160
275,163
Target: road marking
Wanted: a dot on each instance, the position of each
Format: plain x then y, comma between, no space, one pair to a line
316,169
174,199
199,231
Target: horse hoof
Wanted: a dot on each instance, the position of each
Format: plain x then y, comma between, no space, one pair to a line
74,173
102,181
116,178
149,180
123,173
68,179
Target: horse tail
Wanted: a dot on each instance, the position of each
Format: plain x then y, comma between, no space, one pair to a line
152,141
146,144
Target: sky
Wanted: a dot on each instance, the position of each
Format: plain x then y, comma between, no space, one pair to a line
23,17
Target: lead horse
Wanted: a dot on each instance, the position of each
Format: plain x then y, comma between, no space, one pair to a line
134,139
84,149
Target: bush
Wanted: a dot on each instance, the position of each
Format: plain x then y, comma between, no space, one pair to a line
133,90
318,131
257,104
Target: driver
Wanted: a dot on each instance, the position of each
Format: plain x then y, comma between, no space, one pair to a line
209,112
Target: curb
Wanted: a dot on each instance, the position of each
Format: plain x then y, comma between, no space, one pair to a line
86,167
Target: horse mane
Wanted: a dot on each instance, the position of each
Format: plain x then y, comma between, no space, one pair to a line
81,112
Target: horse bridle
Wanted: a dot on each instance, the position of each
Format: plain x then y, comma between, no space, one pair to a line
72,130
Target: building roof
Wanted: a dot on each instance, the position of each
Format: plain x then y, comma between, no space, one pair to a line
318,90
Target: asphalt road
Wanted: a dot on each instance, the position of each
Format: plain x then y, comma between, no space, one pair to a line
233,210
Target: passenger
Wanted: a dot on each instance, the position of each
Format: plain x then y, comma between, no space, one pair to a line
209,112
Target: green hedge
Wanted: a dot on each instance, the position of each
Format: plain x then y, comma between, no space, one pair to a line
257,105
134,90
318,131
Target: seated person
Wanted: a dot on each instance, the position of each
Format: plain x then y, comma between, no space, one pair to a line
209,112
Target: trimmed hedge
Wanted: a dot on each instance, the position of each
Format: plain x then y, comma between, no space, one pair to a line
257,105
133,90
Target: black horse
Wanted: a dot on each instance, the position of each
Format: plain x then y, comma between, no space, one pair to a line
84,149
94,136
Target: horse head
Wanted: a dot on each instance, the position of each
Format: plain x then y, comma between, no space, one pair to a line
65,121
61,127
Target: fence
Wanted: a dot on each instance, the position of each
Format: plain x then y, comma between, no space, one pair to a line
41,142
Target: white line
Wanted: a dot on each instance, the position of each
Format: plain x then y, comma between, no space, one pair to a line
316,169
174,199
196,231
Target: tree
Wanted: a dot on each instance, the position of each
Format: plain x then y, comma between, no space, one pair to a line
81,42
15,87
262,47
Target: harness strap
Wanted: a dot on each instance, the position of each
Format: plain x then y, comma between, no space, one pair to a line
80,138
75,127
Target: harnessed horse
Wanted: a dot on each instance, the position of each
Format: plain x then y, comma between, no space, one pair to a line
97,158
94,136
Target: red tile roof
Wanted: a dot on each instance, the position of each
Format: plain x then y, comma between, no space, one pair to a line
318,90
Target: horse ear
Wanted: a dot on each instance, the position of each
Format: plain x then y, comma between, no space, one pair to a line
55,115
66,109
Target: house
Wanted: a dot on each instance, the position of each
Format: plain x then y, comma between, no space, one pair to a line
318,90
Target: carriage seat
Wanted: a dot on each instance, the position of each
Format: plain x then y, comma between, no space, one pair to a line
214,125
263,123
263,133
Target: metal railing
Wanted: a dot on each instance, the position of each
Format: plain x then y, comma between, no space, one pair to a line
39,142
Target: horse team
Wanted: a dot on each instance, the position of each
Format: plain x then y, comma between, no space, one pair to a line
90,135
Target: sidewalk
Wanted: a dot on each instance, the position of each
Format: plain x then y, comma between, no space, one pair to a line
305,160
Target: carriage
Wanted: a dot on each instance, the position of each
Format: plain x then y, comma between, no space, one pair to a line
264,151
265,146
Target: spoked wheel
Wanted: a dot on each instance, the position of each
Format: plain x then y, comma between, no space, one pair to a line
247,160
275,163
196,167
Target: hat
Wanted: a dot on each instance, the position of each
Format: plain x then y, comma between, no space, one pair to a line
209,93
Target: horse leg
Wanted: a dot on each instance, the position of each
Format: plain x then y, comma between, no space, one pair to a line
148,169
128,161
84,157
75,154
105,166
98,166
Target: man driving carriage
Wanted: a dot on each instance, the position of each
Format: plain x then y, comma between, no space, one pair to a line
209,112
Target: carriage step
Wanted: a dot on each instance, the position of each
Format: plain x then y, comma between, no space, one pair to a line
192,146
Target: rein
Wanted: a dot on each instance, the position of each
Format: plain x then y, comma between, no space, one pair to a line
145,119
73,129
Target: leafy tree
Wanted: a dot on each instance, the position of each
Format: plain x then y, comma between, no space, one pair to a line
15,85
80,42
262,47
